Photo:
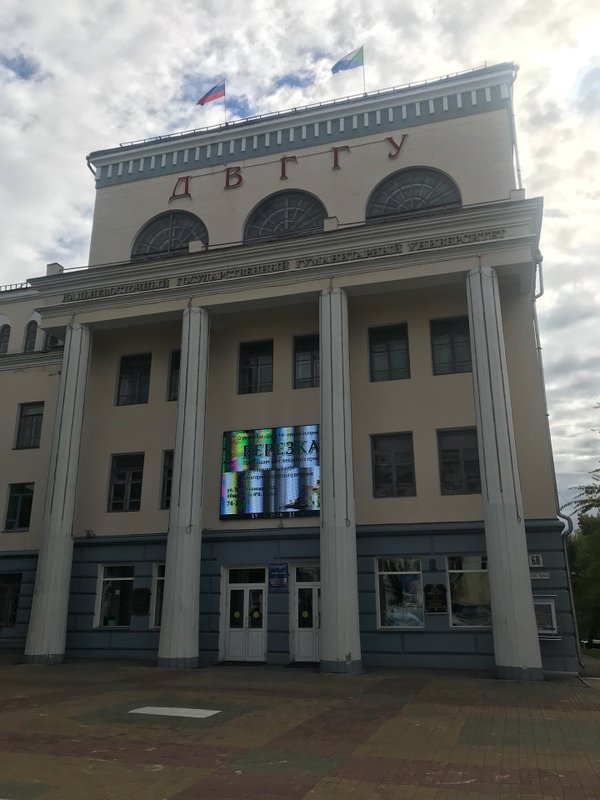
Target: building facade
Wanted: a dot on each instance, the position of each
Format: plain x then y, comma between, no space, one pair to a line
293,409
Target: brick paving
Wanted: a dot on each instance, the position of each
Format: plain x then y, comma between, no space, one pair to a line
66,734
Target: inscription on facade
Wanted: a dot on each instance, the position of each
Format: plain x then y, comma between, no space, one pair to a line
232,273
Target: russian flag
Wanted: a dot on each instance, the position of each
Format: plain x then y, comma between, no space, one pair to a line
353,59
214,94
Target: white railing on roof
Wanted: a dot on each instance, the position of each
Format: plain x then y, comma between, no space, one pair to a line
275,114
13,287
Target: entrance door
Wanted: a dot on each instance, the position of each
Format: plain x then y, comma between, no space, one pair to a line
245,638
306,613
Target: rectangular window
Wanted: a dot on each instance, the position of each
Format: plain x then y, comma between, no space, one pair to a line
256,367
400,591
10,589
158,591
306,362
469,588
388,353
393,465
126,472
174,365
450,345
29,429
167,479
116,590
545,616
134,380
459,461
18,513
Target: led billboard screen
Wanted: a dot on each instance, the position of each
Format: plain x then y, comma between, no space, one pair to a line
271,473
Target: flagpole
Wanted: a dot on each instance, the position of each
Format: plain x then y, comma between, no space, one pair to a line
363,66
225,98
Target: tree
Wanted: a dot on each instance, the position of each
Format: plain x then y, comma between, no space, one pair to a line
584,563
588,496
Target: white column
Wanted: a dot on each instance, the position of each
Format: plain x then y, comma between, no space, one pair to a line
179,632
48,622
340,636
516,644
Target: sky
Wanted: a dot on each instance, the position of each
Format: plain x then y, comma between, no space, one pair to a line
76,77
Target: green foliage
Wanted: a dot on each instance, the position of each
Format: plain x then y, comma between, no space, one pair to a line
588,496
583,548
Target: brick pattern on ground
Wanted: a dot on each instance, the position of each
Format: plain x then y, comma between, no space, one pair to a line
65,734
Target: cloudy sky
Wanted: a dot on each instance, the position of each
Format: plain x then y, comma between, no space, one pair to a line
81,76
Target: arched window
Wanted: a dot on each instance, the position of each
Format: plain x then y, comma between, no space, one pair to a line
169,235
30,336
285,214
4,337
412,190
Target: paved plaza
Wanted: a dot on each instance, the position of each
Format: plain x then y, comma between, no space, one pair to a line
67,733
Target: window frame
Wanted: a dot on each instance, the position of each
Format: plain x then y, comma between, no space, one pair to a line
256,385
550,601
481,571
139,396
406,435
174,374
314,380
453,333
33,442
387,373
5,331
102,578
166,479
379,572
157,580
11,601
463,490
128,483
30,338
17,517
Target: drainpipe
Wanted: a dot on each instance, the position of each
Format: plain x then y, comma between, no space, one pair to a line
567,520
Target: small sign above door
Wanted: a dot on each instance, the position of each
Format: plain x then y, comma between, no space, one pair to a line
278,577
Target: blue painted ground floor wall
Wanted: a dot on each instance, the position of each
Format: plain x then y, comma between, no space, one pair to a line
436,644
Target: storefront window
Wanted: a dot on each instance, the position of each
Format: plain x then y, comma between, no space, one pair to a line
400,593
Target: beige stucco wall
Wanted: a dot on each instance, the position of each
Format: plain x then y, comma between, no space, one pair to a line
25,384
110,429
421,404
475,151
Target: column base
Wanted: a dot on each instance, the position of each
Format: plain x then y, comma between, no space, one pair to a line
46,658
179,663
520,673
341,667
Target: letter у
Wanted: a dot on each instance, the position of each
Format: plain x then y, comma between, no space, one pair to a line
395,151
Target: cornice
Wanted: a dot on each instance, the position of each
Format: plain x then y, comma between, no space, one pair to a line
373,247
20,361
343,120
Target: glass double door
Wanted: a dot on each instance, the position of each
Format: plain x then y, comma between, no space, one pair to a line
245,638
306,613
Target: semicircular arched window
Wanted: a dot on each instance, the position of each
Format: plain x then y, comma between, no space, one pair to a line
4,338
412,190
31,330
285,214
169,235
